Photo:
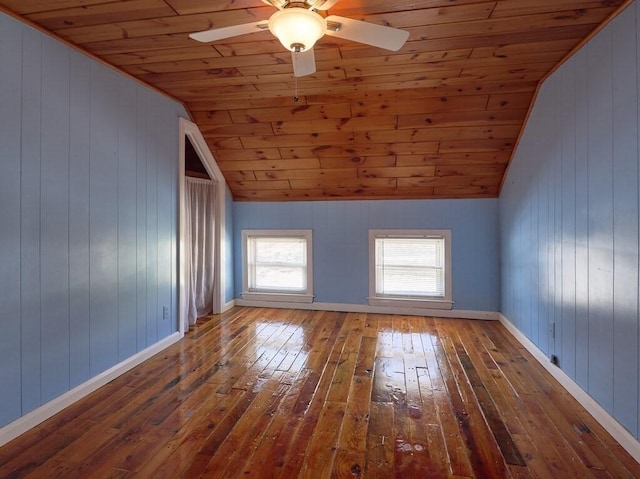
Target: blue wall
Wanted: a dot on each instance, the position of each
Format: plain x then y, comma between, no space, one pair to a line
88,189
569,220
340,242
229,250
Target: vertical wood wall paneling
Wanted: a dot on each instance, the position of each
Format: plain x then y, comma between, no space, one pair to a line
85,154
637,26
544,231
340,242
335,235
79,214
321,248
582,221
152,222
30,156
358,253
229,292
171,238
532,264
462,216
103,220
550,240
10,118
127,185
578,166
625,221
141,226
600,141
54,220
509,258
566,325
166,206
555,333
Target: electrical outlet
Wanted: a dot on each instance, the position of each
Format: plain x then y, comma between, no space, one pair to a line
165,312
552,328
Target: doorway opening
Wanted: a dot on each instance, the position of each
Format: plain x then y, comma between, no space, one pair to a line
191,141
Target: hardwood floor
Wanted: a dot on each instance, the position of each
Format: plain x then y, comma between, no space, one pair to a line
265,393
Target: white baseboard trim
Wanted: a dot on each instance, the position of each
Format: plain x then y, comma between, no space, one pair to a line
365,308
619,433
228,306
44,412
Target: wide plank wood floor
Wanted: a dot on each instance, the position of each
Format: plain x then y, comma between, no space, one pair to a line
266,393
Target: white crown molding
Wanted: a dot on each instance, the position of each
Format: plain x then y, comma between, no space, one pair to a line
44,412
606,420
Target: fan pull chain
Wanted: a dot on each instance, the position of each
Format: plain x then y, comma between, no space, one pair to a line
295,92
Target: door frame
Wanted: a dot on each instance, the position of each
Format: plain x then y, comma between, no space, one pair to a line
188,129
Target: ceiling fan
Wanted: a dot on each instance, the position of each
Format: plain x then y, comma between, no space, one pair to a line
298,26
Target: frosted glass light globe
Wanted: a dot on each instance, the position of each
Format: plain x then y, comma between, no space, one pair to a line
297,28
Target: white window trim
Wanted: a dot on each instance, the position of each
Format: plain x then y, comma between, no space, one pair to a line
435,303
306,297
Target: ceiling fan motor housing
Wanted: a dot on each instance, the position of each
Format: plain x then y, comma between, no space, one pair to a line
298,29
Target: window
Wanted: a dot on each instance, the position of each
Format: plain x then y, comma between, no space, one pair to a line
410,266
277,265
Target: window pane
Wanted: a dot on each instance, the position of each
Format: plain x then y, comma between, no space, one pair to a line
410,267
280,251
398,281
278,264
412,251
280,278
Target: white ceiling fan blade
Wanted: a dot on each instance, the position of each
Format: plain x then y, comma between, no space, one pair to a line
323,4
304,63
368,33
227,32
275,3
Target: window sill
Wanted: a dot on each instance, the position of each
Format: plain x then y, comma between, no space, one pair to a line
279,297
411,303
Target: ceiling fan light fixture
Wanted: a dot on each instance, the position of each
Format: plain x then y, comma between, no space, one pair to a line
298,29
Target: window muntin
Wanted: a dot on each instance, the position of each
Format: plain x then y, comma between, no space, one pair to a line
277,265
410,266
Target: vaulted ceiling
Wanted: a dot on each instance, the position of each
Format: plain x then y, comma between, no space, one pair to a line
437,119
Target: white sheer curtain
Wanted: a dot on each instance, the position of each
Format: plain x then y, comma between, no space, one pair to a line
199,248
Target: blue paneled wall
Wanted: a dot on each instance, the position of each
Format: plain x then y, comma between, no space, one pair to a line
228,248
340,242
569,220
88,185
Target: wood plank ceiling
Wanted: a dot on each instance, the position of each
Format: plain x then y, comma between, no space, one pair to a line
437,119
